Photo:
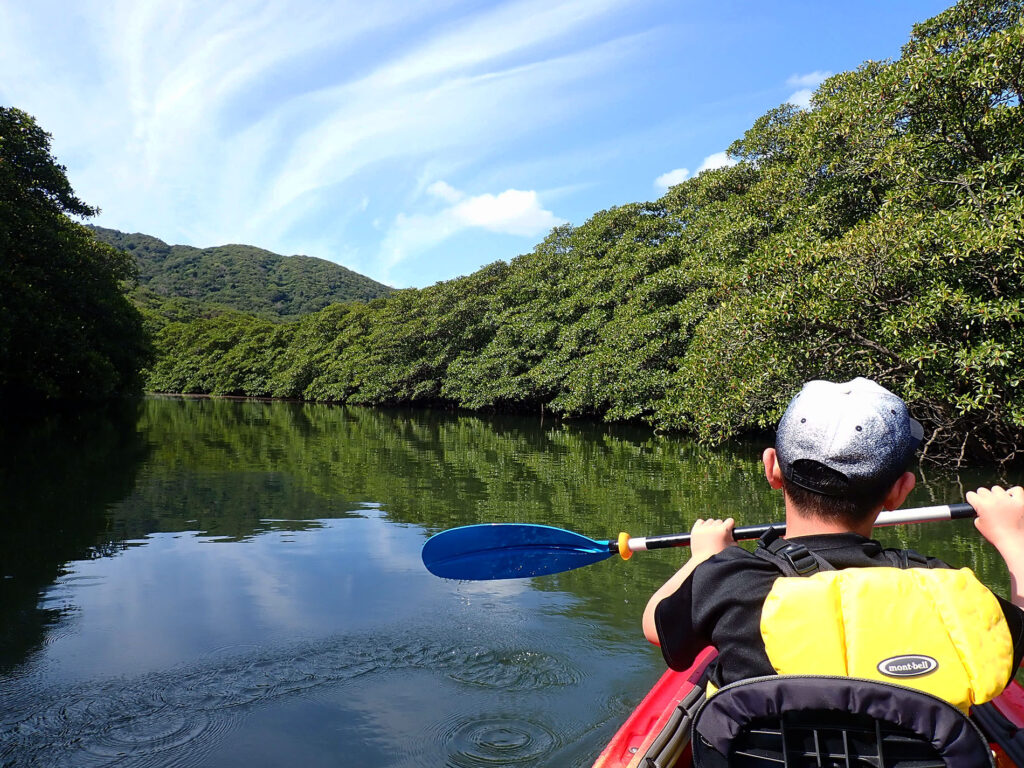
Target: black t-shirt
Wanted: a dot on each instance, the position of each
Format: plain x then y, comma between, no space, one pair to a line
732,587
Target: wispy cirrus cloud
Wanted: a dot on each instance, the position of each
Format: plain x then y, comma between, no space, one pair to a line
254,122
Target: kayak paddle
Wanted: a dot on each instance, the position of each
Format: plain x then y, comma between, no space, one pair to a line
520,550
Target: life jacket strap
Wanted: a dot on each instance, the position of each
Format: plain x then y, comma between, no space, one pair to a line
906,558
794,559
790,557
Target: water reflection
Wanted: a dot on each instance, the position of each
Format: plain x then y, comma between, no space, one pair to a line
60,474
263,601
228,465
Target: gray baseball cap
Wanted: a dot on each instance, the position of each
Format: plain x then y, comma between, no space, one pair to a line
846,438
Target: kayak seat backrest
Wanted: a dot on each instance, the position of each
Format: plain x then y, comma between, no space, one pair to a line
821,738
820,721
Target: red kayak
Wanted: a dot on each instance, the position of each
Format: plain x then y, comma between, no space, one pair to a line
657,733
659,728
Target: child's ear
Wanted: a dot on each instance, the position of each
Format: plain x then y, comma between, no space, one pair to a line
772,470
899,491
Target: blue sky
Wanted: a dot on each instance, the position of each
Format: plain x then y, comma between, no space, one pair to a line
410,141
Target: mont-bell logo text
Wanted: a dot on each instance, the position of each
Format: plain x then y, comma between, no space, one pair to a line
911,665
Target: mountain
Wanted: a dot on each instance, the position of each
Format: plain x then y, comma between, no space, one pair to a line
241,277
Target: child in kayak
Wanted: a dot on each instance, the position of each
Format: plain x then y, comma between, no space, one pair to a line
841,457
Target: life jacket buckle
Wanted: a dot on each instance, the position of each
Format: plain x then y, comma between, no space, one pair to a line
771,546
800,558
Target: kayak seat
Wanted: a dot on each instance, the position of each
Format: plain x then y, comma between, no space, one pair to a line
797,721
822,738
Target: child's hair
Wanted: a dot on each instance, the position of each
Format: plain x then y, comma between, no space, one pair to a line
848,509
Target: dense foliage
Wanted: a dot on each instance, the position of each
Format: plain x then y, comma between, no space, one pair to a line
878,233
67,331
240,277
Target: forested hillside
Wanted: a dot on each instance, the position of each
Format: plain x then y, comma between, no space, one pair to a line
240,277
880,233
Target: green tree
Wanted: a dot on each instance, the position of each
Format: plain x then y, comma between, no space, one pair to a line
67,331
903,258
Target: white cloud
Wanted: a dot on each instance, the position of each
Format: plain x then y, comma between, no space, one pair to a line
806,85
717,160
810,80
512,212
672,178
445,191
679,175
801,98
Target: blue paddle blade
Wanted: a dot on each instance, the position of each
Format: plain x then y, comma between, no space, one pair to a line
509,551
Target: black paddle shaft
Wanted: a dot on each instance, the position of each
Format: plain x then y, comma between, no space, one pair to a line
960,511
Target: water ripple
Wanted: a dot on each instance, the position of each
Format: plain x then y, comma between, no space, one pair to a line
128,721
481,741
148,734
513,670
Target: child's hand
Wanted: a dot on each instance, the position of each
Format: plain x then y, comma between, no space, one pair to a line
1000,517
709,537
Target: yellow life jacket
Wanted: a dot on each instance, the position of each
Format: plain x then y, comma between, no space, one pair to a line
938,630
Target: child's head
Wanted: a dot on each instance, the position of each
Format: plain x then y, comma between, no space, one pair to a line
841,447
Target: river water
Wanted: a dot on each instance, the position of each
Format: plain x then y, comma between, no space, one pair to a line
191,582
